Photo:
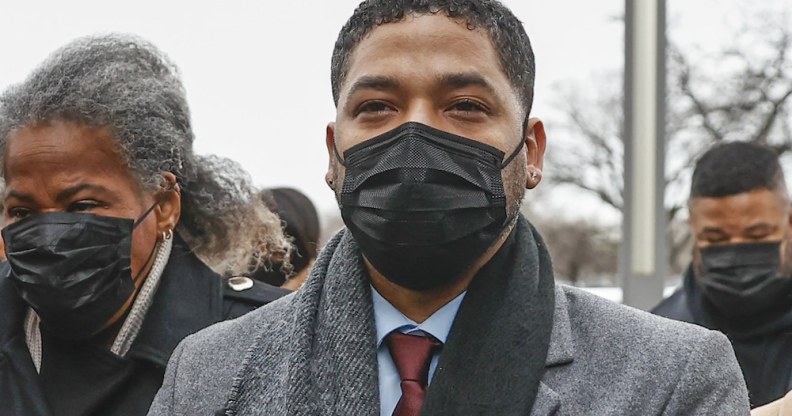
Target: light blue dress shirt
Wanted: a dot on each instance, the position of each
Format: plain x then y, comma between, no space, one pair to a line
388,319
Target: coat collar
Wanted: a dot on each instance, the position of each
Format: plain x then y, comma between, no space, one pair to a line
562,349
330,346
19,393
560,353
189,298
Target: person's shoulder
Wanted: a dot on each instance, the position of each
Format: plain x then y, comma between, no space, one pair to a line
592,314
244,329
201,370
672,304
241,294
675,307
673,365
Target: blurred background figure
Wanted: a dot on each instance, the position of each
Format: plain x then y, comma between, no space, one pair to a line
300,222
2,242
740,279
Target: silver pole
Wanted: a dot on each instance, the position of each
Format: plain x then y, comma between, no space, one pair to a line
643,255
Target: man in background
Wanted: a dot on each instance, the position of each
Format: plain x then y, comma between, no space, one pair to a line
739,281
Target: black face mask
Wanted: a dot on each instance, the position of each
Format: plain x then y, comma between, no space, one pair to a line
423,204
73,269
742,280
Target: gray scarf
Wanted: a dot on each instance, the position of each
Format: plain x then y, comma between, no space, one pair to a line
492,363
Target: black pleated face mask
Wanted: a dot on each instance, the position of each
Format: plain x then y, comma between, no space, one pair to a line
423,204
741,280
73,269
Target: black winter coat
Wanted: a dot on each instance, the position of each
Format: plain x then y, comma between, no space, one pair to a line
762,344
190,297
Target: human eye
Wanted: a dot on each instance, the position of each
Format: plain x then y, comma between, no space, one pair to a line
84,205
761,232
374,107
17,213
468,108
716,239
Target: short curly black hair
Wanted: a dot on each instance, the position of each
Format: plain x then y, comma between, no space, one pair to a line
504,29
736,167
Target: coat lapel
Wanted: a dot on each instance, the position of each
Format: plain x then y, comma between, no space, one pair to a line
547,403
561,350
20,393
559,354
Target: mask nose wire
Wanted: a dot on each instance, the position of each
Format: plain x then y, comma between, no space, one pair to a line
503,164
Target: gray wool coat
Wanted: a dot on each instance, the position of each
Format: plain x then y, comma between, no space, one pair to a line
603,358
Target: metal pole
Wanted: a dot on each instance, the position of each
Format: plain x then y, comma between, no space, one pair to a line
643,255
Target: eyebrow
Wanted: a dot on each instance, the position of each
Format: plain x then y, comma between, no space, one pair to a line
712,230
453,81
373,82
759,227
65,194
467,79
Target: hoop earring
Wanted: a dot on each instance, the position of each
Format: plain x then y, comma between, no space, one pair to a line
167,235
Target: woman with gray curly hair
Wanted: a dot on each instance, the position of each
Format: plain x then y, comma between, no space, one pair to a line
112,227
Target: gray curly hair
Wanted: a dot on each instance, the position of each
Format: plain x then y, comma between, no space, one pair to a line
126,84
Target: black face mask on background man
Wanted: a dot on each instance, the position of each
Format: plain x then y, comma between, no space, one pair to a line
741,280
73,269
423,204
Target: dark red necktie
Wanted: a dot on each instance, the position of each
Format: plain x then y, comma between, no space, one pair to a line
412,355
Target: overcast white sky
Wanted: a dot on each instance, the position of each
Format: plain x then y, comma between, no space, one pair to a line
257,72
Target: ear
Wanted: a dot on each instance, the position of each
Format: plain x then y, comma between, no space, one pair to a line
535,145
168,209
331,157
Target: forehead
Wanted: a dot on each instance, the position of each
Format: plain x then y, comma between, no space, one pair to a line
740,210
62,152
420,42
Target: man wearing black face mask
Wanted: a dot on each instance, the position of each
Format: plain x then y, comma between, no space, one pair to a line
438,298
740,281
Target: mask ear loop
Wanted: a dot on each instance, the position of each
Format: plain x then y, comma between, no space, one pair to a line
513,154
145,214
151,208
338,156
166,235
